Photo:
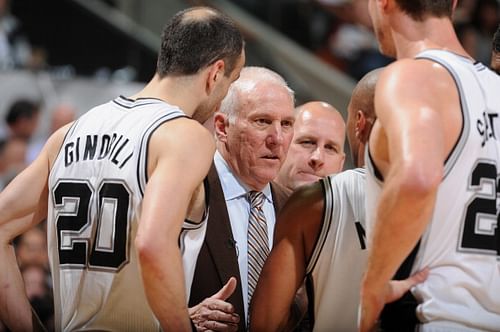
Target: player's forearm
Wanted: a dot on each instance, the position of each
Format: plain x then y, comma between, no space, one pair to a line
403,213
273,300
15,309
163,280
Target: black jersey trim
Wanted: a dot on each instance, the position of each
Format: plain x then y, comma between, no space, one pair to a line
141,98
133,106
147,136
206,187
401,315
455,152
326,222
310,300
371,165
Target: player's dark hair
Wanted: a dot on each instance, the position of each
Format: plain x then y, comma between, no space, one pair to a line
20,109
194,40
496,41
420,9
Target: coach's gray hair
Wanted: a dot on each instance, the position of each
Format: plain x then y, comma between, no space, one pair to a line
249,78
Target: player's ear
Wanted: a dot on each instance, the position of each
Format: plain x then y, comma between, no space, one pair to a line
342,162
385,4
221,122
215,74
360,124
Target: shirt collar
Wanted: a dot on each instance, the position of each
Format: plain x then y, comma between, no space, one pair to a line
232,186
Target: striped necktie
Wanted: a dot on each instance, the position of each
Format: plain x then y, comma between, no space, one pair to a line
258,243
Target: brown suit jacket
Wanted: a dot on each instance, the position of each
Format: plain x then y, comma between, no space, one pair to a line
217,261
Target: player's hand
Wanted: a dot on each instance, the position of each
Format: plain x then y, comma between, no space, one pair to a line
214,313
373,301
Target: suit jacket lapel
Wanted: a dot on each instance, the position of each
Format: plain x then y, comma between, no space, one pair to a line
219,237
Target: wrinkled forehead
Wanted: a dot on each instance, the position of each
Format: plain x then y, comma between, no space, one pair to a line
266,98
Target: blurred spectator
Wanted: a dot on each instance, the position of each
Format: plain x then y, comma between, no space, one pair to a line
463,11
22,118
468,37
12,159
31,248
36,282
352,43
495,53
61,115
15,50
485,19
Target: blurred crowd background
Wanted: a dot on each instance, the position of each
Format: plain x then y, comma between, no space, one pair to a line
58,59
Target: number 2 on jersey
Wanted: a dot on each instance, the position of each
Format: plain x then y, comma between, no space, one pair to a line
108,238
480,228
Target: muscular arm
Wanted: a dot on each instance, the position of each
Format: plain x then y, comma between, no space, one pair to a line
296,230
22,205
414,113
181,152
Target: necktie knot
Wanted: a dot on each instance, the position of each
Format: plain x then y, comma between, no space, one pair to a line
256,199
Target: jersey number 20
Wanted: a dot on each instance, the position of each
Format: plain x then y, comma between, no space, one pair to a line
480,229
108,239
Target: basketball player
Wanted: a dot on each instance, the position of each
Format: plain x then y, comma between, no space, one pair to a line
115,186
320,234
432,180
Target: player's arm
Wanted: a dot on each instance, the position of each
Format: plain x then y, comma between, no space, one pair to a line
23,203
283,273
408,106
181,152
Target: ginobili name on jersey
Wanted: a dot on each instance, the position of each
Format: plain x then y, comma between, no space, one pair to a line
98,147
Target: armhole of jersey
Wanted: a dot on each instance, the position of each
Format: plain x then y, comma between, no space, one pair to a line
372,168
189,224
142,160
310,299
326,220
455,152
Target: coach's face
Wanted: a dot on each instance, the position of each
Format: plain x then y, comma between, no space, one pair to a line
258,139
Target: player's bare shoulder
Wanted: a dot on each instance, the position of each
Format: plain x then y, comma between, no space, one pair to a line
416,84
54,143
184,140
303,213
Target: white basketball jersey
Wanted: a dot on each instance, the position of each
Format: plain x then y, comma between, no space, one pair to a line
96,186
338,259
461,244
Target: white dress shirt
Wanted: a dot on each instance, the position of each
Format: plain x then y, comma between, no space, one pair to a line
238,209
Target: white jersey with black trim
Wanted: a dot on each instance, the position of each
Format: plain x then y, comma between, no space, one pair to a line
96,188
338,258
461,244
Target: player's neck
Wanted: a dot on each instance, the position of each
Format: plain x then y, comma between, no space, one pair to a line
174,91
413,37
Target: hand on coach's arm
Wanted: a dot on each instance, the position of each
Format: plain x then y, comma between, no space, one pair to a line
214,313
372,302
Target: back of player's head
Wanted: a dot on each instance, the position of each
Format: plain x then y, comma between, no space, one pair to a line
194,39
496,41
363,95
420,9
